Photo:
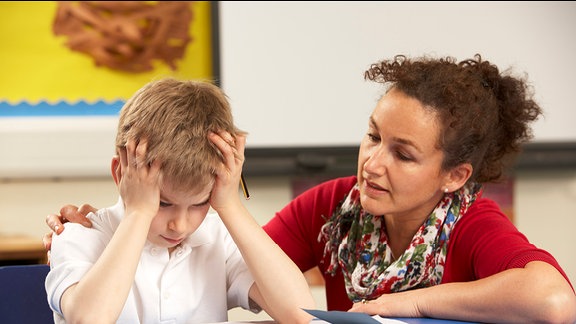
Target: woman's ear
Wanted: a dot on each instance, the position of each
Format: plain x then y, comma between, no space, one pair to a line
458,176
116,169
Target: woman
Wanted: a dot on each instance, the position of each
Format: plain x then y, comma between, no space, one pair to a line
410,235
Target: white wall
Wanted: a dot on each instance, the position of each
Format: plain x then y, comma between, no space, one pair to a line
292,64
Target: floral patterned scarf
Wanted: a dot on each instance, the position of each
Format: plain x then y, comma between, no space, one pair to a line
357,242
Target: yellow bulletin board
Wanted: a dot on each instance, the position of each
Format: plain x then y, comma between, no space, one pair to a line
39,67
66,69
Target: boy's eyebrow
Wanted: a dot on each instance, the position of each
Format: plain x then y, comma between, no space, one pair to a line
204,202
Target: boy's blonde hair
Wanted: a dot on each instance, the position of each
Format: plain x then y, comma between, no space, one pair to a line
175,117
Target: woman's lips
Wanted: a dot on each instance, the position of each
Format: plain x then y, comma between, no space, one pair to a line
373,188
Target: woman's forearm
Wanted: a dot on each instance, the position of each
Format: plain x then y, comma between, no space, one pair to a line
537,293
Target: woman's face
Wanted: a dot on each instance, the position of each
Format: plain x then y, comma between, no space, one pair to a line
399,164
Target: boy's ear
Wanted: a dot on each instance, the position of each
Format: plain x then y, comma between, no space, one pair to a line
458,176
116,169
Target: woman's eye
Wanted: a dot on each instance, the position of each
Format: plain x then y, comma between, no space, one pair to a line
403,157
165,204
373,138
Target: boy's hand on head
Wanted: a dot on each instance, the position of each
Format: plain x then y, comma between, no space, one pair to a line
228,173
139,180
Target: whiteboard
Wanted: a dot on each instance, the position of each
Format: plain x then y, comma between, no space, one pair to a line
294,70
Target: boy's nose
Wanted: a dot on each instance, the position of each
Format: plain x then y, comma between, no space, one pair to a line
178,223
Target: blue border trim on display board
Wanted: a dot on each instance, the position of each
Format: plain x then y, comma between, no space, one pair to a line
62,108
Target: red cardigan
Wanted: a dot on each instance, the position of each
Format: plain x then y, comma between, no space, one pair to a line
483,242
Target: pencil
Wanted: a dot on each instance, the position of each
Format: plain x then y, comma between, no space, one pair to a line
244,187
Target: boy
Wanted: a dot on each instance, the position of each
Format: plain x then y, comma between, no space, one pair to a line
159,255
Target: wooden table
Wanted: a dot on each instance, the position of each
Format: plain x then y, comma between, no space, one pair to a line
21,249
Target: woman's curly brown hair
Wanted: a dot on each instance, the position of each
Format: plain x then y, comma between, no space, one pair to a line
485,114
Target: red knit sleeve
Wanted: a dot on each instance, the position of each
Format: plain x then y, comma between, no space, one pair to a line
485,242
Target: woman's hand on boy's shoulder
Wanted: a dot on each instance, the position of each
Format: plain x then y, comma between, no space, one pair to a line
68,213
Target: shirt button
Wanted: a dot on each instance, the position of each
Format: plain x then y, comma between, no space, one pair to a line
167,296
154,251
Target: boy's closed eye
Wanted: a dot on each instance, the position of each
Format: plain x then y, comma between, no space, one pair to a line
164,204
202,204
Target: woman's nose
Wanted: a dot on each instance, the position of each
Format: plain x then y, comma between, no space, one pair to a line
376,161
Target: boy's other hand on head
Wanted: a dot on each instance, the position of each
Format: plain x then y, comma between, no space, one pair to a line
229,172
138,180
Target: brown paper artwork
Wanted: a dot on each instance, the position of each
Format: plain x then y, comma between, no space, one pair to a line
126,35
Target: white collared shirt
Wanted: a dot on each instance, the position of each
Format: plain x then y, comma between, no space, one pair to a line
205,276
